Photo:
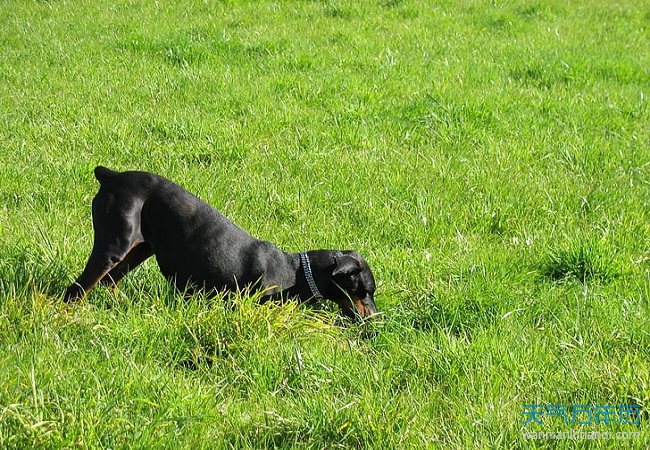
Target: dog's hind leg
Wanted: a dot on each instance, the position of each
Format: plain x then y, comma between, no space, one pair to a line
135,257
116,221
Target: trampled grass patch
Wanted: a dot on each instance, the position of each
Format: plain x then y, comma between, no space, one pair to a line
489,159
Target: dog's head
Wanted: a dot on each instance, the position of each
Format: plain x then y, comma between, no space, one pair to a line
351,284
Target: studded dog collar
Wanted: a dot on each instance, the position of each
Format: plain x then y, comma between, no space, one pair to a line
306,268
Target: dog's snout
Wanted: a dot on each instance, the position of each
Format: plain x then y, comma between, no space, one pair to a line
365,307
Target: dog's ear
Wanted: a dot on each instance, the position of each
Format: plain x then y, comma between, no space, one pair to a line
346,265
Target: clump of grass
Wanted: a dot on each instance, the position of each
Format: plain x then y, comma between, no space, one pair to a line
240,326
31,269
458,315
582,260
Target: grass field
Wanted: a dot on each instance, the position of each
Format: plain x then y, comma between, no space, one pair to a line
491,159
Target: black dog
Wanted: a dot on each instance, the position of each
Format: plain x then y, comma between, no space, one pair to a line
138,214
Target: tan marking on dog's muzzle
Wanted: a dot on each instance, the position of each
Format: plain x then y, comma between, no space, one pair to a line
365,307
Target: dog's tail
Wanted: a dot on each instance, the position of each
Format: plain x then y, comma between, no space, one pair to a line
103,174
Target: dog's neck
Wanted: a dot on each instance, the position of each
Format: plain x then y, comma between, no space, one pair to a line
304,283
305,264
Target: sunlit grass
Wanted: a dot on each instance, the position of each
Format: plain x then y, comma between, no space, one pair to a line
489,159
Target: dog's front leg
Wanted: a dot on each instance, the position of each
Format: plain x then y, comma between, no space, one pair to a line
117,232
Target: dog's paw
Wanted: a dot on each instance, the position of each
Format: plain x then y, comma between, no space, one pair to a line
74,292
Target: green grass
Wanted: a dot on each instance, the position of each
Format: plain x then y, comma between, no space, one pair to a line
490,159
